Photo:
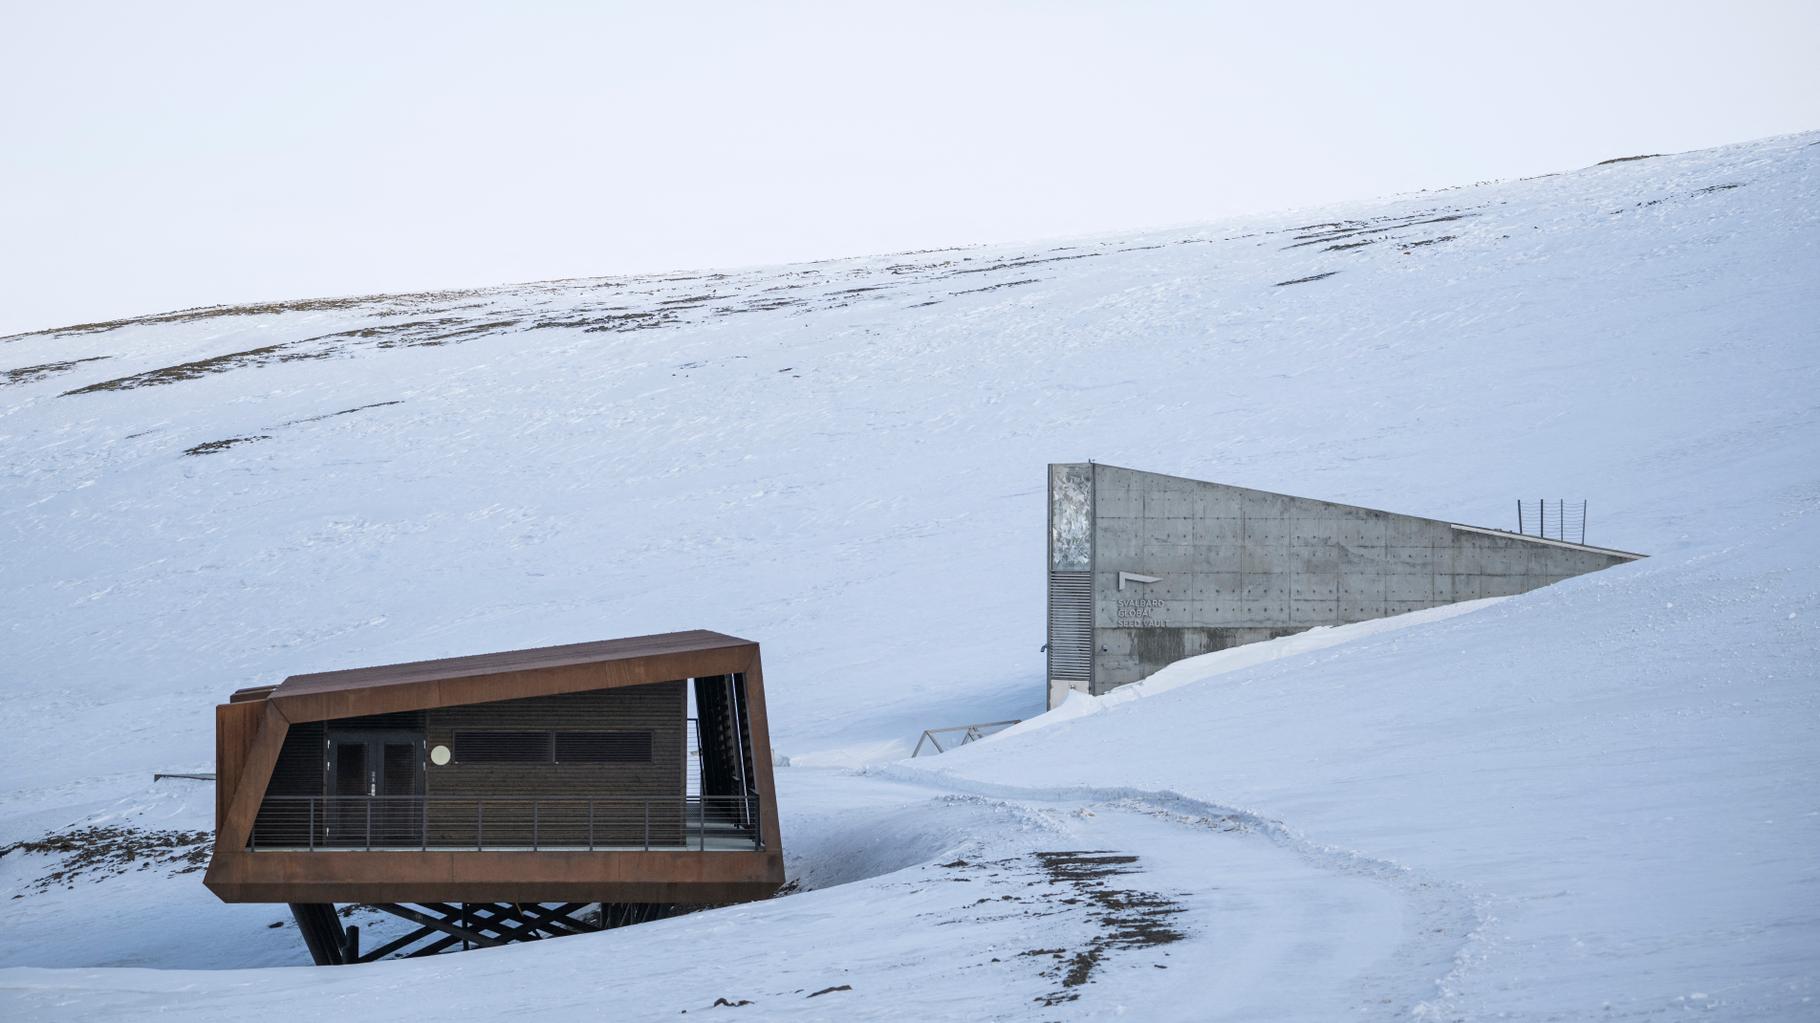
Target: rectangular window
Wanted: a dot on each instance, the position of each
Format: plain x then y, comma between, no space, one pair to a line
502,747
603,747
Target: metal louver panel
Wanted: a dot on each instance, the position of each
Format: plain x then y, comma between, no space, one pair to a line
603,747
1071,626
502,747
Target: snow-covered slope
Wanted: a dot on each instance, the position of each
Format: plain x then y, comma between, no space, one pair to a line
1594,801
1617,776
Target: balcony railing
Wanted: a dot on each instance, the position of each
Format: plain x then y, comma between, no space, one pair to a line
530,823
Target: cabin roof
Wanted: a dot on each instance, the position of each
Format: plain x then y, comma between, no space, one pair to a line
480,678
532,659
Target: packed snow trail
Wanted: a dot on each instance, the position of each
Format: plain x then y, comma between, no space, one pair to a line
980,929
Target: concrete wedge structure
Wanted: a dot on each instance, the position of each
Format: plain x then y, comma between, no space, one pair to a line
1145,569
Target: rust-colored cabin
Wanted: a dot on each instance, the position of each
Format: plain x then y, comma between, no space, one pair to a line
501,793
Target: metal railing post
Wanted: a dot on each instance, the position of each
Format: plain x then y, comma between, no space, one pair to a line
312,841
533,825
647,825
590,825
424,822
369,824
480,824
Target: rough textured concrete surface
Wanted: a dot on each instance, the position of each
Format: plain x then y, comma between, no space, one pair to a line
1146,569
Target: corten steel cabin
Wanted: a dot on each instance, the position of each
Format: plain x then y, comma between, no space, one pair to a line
501,794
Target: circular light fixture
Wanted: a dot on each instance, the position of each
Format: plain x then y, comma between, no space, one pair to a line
439,755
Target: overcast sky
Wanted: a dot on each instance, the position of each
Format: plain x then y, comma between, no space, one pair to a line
155,156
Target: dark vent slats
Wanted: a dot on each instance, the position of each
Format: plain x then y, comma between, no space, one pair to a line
1071,626
502,747
603,747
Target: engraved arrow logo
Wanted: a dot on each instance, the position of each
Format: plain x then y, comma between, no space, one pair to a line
1133,577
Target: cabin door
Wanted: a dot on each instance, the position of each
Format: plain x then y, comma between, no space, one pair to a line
375,781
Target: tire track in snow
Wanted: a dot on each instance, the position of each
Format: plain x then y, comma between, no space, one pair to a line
1452,922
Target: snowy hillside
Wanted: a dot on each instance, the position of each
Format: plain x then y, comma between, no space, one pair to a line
1594,801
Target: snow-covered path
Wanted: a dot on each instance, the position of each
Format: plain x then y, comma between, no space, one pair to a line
976,924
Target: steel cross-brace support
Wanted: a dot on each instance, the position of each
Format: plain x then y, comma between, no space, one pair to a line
441,923
443,926
440,926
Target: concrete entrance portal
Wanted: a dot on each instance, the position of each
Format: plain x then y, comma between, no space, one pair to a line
1146,569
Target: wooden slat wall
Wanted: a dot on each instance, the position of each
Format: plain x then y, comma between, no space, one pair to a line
660,708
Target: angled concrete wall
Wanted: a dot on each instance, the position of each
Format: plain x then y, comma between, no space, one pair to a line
1233,566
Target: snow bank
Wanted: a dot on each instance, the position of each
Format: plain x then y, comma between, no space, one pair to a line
1220,662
